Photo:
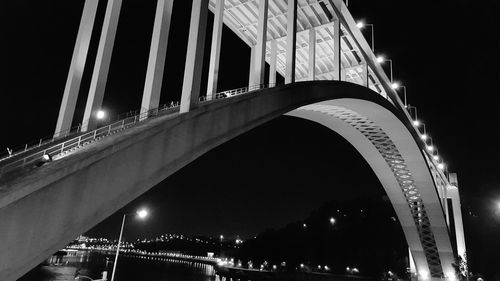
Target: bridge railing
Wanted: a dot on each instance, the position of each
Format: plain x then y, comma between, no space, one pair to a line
43,152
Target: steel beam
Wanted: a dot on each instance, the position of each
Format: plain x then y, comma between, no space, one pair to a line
101,67
260,47
273,61
194,57
291,31
312,54
213,71
157,54
70,96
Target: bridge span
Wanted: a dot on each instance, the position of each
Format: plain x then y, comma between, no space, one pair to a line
43,207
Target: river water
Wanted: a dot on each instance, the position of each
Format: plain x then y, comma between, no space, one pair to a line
129,268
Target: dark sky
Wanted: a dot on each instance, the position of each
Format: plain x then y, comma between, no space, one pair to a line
445,52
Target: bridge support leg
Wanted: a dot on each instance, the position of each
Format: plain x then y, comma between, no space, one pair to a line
251,73
337,49
291,39
366,78
194,57
272,66
157,54
213,72
312,54
76,68
101,67
260,47
457,215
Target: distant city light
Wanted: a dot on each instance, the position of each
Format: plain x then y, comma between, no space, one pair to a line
304,225
332,220
221,237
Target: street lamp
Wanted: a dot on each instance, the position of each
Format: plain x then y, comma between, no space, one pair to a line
332,221
361,25
396,86
101,114
142,214
381,59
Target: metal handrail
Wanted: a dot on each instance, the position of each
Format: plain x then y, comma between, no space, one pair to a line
85,138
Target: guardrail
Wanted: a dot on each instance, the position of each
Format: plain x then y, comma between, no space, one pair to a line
41,155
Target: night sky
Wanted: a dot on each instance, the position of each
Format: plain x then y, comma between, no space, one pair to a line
444,52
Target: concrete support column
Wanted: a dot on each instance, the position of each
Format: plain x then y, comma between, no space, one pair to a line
260,47
101,67
291,38
157,54
454,195
213,72
337,51
194,57
273,61
251,73
365,75
312,54
76,68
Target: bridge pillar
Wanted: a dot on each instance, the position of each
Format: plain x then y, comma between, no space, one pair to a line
251,73
337,50
312,54
366,77
454,195
157,54
260,47
213,72
76,68
101,67
291,39
194,56
272,66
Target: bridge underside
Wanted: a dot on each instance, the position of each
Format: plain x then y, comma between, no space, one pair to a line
47,208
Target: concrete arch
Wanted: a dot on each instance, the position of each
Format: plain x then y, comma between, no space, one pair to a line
42,211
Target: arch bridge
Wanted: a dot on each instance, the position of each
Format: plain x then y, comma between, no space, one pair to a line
57,189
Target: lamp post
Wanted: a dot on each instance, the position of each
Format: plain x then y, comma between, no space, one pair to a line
396,86
381,59
142,213
361,25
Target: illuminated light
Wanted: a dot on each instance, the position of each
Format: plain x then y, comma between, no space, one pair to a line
319,266
390,273
416,123
424,274
348,268
301,265
47,158
332,220
326,267
423,137
274,267
142,213
441,166
221,237
430,147
304,225
436,157
395,85
360,24
100,114
355,270
451,276
380,59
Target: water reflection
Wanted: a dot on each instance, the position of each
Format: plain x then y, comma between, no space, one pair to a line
130,268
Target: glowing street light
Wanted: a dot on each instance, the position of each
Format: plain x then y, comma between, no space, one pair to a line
416,123
381,59
142,214
441,166
430,147
423,137
396,86
101,114
361,25
436,157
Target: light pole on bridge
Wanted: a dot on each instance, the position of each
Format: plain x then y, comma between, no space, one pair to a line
361,25
142,214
